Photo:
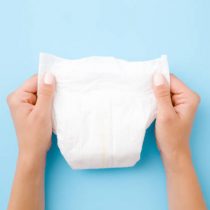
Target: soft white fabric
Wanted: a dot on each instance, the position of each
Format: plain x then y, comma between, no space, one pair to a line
102,108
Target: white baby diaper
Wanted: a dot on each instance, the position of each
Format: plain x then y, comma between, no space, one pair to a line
102,108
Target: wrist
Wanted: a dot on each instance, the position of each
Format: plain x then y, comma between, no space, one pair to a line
177,160
31,162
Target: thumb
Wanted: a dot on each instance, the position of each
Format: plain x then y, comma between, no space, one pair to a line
162,95
46,92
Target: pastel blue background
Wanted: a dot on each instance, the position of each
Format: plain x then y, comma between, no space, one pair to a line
129,29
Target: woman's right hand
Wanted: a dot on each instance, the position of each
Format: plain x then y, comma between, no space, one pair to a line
176,108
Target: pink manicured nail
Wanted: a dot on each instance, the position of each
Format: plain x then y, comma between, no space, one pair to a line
48,78
158,79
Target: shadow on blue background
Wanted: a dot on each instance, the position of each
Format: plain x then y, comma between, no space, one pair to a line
128,29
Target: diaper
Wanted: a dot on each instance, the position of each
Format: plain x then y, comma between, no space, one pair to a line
102,108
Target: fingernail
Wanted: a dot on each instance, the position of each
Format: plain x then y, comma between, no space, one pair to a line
48,78
158,79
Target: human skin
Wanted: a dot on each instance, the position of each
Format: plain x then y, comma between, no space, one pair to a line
176,108
31,113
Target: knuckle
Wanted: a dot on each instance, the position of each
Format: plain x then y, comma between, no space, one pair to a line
10,99
195,99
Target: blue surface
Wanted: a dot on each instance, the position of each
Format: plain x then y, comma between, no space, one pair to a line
130,29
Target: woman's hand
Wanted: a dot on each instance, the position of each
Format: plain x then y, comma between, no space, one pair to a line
31,113
176,108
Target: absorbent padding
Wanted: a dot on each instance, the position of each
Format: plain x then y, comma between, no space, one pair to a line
102,108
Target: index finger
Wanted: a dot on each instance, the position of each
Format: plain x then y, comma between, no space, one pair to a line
30,85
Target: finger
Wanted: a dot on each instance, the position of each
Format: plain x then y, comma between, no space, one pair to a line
29,98
46,92
177,86
30,85
184,99
163,95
